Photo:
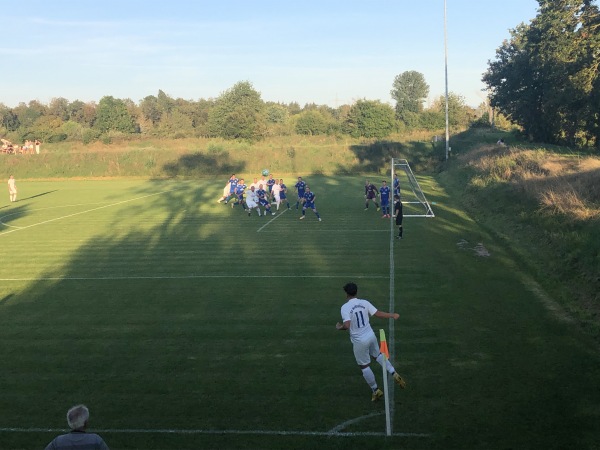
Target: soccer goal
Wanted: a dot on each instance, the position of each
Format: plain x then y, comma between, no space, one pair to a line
411,194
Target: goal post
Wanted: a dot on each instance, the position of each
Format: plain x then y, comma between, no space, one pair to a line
411,193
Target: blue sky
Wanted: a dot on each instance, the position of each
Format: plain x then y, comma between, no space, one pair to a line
327,52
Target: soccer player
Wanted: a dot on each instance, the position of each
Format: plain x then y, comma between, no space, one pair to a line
276,191
283,193
270,183
263,200
355,318
240,188
398,215
300,187
384,196
252,201
309,202
396,184
12,188
371,194
229,189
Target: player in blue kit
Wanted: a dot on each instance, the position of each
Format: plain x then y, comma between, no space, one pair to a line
233,182
309,202
396,185
270,183
263,200
283,193
384,196
300,187
240,188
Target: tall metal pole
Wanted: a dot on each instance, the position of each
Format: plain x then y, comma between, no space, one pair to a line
446,72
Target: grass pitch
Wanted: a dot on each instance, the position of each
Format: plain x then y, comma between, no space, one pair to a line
184,324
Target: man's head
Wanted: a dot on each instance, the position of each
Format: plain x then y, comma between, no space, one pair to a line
384,182
396,197
307,188
351,289
252,188
77,417
241,181
299,178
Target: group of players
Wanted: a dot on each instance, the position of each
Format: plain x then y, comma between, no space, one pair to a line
265,192
371,193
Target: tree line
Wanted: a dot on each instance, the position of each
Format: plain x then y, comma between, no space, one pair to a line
546,77
237,113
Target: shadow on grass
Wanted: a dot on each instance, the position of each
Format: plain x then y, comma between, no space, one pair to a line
199,165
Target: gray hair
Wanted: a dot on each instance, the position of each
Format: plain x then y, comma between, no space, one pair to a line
77,417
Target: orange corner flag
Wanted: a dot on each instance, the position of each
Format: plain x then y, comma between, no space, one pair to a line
383,348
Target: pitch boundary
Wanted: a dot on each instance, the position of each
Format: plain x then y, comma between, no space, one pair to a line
186,277
216,432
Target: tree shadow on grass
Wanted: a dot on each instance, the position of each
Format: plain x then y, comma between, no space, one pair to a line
376,157
198,164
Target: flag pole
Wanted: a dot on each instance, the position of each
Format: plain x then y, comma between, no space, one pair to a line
384,351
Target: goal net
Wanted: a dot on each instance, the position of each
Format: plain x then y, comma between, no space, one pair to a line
413,199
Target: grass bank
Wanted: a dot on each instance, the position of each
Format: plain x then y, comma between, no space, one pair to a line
544,204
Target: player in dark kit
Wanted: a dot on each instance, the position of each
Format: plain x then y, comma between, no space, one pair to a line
371,194
398,215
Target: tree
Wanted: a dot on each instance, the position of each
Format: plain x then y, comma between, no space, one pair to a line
370,119
311,122
545,78
112,115
239,113
8,118
409,90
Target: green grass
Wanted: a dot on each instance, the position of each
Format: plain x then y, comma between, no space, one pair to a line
160,309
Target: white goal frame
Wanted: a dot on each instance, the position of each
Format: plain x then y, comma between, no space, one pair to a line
402,165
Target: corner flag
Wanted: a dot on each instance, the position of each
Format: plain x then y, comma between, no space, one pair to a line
383,348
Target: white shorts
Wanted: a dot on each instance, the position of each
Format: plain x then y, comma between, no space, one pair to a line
363,350
251,204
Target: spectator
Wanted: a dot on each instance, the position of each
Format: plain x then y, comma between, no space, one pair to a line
77,439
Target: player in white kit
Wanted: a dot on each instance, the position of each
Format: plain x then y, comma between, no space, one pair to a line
355,318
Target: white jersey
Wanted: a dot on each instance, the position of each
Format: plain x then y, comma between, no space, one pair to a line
251,199
358,311
276,190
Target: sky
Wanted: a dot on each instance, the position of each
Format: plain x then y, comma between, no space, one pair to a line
329,52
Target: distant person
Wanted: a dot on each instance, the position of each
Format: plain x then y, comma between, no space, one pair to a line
252,200
371,192
396,184
78,438
12,188
283,193
309,202
501,142
270,183
300,186
37,146
276,191
355,318
398,216
384,196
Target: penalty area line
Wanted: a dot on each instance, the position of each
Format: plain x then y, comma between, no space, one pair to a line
275,217
221,432
88,210
187,277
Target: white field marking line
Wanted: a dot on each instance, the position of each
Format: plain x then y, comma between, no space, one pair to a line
87,211
189,277
391,334
42,209
320,230
199,431
274,217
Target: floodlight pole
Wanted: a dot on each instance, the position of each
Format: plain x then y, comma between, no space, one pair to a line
446,73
